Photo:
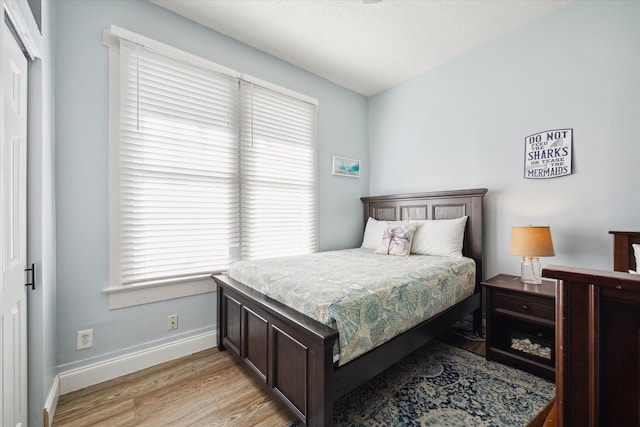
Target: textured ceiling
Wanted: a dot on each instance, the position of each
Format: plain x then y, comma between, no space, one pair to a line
364,46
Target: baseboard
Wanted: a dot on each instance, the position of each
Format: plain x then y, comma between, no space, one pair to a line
96,373
51,403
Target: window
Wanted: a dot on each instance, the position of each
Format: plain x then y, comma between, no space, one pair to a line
206,167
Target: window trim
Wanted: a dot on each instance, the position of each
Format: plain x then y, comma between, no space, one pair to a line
160,290
121,296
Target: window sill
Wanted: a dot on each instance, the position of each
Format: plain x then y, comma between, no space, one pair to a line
132,295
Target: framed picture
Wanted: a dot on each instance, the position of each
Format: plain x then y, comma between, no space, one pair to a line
345,167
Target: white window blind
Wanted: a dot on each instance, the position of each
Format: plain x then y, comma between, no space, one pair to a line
178,167
278,179
209,163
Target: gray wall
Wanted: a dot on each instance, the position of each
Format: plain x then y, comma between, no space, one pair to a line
463,124
82,170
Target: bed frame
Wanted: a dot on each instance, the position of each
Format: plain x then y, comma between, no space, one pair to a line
291,355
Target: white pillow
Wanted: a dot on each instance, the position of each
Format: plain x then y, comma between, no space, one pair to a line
636,252
373,232
397,239
440,237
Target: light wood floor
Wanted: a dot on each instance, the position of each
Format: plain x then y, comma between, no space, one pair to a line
205,389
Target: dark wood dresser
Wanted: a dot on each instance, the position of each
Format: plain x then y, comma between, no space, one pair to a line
598,341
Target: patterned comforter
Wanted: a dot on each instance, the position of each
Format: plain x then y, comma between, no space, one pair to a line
367,297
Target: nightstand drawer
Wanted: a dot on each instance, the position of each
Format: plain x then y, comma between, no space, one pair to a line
526,305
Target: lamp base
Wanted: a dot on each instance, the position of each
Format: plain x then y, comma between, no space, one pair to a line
531,271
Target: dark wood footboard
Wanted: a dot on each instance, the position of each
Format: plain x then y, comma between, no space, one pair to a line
289,354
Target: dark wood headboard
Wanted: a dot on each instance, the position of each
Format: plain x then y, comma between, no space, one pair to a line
623,256
435,205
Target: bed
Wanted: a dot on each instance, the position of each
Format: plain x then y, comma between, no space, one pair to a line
292,355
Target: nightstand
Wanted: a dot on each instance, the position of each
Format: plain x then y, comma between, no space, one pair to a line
521,324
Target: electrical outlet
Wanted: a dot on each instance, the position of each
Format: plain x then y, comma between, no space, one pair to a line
172,322
85,339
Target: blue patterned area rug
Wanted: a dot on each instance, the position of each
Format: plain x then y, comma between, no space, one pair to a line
441,385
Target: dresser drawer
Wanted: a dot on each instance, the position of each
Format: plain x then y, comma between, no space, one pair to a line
526,305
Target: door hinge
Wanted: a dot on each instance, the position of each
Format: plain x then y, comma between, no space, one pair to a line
33,276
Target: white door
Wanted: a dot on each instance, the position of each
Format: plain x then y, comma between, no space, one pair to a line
13,202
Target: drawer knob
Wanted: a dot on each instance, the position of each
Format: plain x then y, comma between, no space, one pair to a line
525,307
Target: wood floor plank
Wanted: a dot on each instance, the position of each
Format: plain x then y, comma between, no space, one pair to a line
205,389
116,414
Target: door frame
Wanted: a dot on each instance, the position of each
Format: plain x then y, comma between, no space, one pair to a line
23,35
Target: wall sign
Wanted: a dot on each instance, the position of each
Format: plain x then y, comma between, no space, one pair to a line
548,154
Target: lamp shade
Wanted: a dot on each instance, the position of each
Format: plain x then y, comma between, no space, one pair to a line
531,241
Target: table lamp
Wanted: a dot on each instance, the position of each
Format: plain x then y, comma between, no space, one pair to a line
531,242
